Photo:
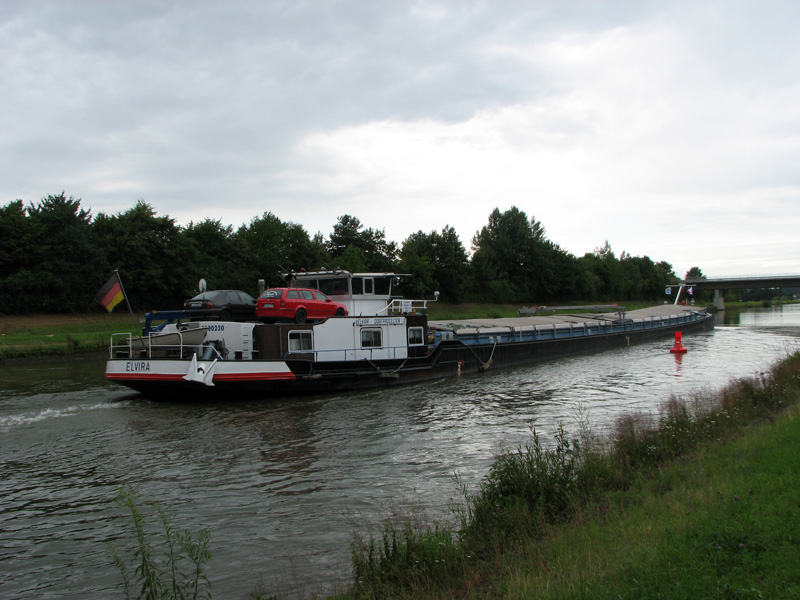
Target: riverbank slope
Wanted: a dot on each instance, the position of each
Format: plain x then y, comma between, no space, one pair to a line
698,502
723,524
59,335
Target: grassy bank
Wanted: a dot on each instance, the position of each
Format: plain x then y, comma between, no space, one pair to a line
49,335
724,525
698,502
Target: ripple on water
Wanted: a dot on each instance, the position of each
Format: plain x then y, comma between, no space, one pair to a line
282,486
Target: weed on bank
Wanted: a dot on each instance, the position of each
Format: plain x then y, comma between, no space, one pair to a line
160,563
676,505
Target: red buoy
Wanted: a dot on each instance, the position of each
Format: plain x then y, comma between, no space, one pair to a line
678,348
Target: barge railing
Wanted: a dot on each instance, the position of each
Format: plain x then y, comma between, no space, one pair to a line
402,306
142,346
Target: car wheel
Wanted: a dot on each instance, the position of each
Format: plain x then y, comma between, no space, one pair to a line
300,316
339,312
225,315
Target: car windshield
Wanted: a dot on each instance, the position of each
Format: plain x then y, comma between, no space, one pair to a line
272,294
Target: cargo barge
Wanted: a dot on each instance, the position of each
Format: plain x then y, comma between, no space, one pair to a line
397,345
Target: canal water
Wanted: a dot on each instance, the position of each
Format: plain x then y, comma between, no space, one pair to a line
284,485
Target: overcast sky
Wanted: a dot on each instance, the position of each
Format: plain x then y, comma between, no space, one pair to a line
670,129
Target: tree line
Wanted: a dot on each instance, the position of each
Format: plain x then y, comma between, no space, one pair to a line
55,255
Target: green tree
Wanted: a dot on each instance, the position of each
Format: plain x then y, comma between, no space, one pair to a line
63,273
353,259
513,261
612,283
21,254
151,255
642,278
380,254
268,247
20,242
694,273
437,262
215,256
699,296
665,269
417,259
346,232
452,265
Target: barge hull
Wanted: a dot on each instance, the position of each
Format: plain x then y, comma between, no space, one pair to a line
449,358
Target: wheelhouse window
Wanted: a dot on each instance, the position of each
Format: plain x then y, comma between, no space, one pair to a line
363,286
334,286
371,338
301,341
416,336
383,286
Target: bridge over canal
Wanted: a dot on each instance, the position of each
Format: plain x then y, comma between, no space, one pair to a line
719,285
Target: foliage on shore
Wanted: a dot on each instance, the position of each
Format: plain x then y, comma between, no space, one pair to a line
162,564
55,255
675,505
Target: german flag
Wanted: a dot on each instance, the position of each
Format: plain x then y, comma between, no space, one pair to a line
110,294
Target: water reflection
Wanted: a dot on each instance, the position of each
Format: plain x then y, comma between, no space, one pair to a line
774,315
678,363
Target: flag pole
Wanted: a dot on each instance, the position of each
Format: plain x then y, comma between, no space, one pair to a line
125,295
678,295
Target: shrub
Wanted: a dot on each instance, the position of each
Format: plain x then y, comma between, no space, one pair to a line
173,569
407,556
524,490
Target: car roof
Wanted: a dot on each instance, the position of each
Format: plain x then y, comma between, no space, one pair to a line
218,292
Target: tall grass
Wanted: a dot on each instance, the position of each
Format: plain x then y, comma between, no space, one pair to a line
408,556
171,567
523,489
529,491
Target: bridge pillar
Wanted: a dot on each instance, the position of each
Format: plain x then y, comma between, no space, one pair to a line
719,300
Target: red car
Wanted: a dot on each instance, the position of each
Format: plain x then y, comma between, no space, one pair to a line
296,304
